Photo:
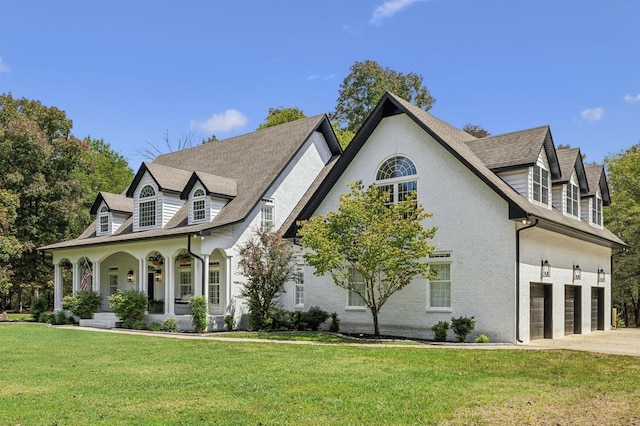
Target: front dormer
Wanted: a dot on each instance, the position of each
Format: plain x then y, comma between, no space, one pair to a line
207,195
111,211
146,203
540,182
572,184
597,197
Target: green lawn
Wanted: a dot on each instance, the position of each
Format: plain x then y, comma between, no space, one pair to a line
60,376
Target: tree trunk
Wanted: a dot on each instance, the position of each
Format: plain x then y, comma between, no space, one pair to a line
376,330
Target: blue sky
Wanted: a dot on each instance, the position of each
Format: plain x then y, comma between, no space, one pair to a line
128,71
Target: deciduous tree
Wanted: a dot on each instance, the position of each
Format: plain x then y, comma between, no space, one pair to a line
476,130
367,82
280,116
385,244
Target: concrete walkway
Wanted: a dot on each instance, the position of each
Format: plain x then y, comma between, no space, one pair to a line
624,341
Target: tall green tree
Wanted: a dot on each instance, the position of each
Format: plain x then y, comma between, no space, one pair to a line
476,130
367,82
623,218
280,116
51,176
266,263
109,170
384,244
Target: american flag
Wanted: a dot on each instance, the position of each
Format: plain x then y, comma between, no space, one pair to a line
85,279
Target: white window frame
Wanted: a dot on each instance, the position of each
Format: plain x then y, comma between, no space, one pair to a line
214,286
199,206
354,301
185,282
596,211
113,282
572,200
147,208
541,184
103,221
267,215
298,301
398,176
439,259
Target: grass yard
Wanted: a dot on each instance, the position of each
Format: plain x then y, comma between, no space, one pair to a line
56,376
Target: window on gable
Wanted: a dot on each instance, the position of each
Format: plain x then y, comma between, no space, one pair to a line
104,220
596,211
356,280
147,207
198,205
572,199
397,177
267,217
540,185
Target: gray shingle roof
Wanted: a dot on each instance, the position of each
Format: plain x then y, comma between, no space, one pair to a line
458,145
570,159
254,161
214,185
115,203
597,179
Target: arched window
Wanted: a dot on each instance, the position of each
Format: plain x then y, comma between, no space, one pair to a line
147,207
397,176
103,217
198,205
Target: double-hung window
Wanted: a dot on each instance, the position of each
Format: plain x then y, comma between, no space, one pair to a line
186,284
572,199
113,282
299,281
267,216
596,211
147,207
198,205
440,287
214,283
104,220
397,176
540,185
356,281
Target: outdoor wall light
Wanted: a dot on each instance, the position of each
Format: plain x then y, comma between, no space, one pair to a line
130,276
577,272
546,268
600,275
158,275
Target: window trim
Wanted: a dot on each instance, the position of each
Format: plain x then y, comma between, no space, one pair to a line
440,258
572,200
349,293
199,196
104,225
147,203
542,184
596,211
213,269
267,207
408,175
298,283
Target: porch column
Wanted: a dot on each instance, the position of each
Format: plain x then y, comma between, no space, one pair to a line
205,291
76,277
227,270
169,284
197,277
142,273
95,286
57,287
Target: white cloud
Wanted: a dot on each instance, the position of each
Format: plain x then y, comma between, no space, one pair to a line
229,120
3,66
320,77
632,99
388,9
592,114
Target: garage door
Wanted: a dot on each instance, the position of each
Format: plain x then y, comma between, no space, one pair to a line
572,310
540,311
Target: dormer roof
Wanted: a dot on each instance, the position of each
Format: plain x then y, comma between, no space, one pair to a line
118,203
216,186
598,179
569,160
516,150
168,179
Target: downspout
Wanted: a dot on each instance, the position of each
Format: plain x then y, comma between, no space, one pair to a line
197,257
518,276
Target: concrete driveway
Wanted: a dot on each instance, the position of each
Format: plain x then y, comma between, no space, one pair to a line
623,341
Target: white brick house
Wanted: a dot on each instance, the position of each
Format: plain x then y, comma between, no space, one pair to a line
520,243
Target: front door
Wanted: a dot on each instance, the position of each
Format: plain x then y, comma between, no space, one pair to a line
150,285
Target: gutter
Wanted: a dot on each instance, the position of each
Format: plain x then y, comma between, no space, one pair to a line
518,340
197,257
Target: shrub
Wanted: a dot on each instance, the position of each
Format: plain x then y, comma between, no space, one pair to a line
38,307
315,317
139,325
440,331
170,325
462,326
155,327
228,321
129,306
83,304
58,318
44,317
198,306
335,323
482,339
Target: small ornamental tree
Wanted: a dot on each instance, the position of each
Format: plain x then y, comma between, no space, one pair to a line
385,244
266,263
